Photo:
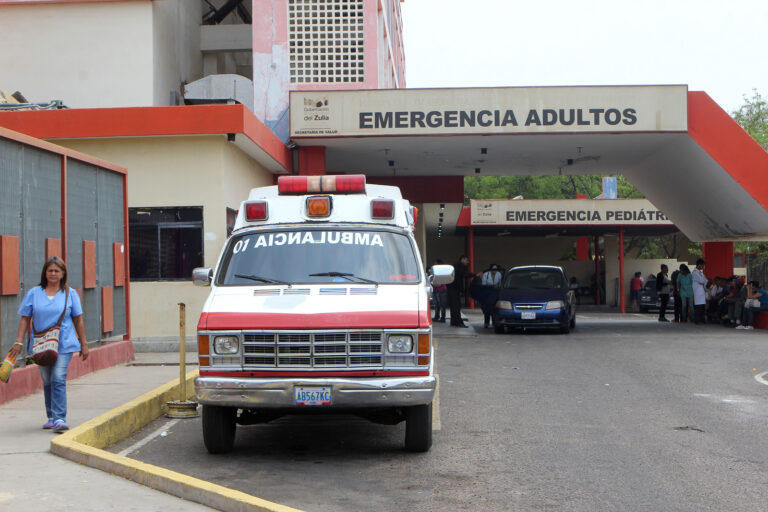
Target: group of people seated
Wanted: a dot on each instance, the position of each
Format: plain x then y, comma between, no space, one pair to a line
734,303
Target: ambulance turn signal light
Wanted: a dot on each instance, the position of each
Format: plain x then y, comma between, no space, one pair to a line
203,350
340,184
382,209
256,210
319,206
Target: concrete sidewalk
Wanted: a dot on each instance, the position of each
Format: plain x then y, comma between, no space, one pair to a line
33,479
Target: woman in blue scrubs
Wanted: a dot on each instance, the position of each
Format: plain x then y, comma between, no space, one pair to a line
42,306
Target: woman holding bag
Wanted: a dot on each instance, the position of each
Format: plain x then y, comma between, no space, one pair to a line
43,307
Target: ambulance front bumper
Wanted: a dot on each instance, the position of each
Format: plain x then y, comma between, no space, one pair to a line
345,393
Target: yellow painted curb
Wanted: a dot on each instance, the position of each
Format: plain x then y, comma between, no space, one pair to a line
84,443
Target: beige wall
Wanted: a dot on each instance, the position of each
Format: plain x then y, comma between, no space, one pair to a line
202,171
101,54
85,54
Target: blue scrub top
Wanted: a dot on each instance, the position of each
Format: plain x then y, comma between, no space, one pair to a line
45,313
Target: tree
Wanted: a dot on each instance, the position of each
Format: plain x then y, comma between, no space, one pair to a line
543,187
753,117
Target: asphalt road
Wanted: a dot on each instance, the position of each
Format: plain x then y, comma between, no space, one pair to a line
623,414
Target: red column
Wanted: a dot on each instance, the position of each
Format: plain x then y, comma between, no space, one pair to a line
622,293
719,258
312,160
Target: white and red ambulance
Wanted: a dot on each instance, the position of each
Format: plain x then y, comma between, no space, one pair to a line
319,301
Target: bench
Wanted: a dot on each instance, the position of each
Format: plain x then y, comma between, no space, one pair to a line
761,320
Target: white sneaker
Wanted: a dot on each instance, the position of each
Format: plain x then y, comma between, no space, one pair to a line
748,327
741,327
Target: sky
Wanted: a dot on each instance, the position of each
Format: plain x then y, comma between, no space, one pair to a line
716,46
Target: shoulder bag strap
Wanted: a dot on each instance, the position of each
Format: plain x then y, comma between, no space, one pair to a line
66,298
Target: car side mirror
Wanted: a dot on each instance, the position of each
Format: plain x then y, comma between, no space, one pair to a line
442,274
202,276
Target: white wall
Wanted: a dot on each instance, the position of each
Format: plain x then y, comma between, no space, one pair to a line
100,54
85,54
177,55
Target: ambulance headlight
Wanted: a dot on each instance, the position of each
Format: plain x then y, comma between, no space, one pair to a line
400,343
225,345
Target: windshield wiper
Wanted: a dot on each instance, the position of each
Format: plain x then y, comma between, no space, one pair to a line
345,276
262,279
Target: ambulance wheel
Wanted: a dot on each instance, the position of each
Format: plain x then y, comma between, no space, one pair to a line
418,428
219,424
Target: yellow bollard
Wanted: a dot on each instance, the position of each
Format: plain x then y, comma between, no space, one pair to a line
182,352
182,408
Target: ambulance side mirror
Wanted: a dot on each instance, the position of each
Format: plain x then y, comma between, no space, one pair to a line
202,276
442,274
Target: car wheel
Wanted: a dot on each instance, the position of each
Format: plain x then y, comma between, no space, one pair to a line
565,328
573,322
219,424
499,329
418,428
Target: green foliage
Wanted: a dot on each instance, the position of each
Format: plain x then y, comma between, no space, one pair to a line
753,117
543,187
651,247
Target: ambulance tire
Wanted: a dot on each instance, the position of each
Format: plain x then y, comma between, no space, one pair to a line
219,424
418,428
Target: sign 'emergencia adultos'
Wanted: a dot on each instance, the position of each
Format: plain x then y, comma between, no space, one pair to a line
489,110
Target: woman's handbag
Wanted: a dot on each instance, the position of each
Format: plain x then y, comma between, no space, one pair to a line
45,346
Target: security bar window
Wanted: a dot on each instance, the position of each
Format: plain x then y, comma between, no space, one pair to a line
165,243
326,41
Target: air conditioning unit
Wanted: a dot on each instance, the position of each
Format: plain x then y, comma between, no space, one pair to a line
220,89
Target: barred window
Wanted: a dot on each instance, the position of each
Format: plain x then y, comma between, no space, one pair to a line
165,243
326,41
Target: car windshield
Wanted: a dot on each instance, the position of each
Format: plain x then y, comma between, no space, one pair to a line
650,286
540,279
318,256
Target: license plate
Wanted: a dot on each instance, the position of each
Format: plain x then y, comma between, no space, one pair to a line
528,315
312,395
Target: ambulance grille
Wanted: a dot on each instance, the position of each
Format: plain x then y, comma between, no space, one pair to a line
338,349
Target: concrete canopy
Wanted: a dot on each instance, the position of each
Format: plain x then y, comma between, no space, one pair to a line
706,174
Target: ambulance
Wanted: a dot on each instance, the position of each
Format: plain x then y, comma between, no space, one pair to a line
318,303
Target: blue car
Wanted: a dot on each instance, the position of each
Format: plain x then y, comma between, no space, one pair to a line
535,297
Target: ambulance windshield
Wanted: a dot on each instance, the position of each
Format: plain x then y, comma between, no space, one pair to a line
319,256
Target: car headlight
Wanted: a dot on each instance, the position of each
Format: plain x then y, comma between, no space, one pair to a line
400,343
555,304
503,304
225,344
645,297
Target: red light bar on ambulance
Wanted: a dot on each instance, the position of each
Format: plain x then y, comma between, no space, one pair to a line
255,210
382,209
339,184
